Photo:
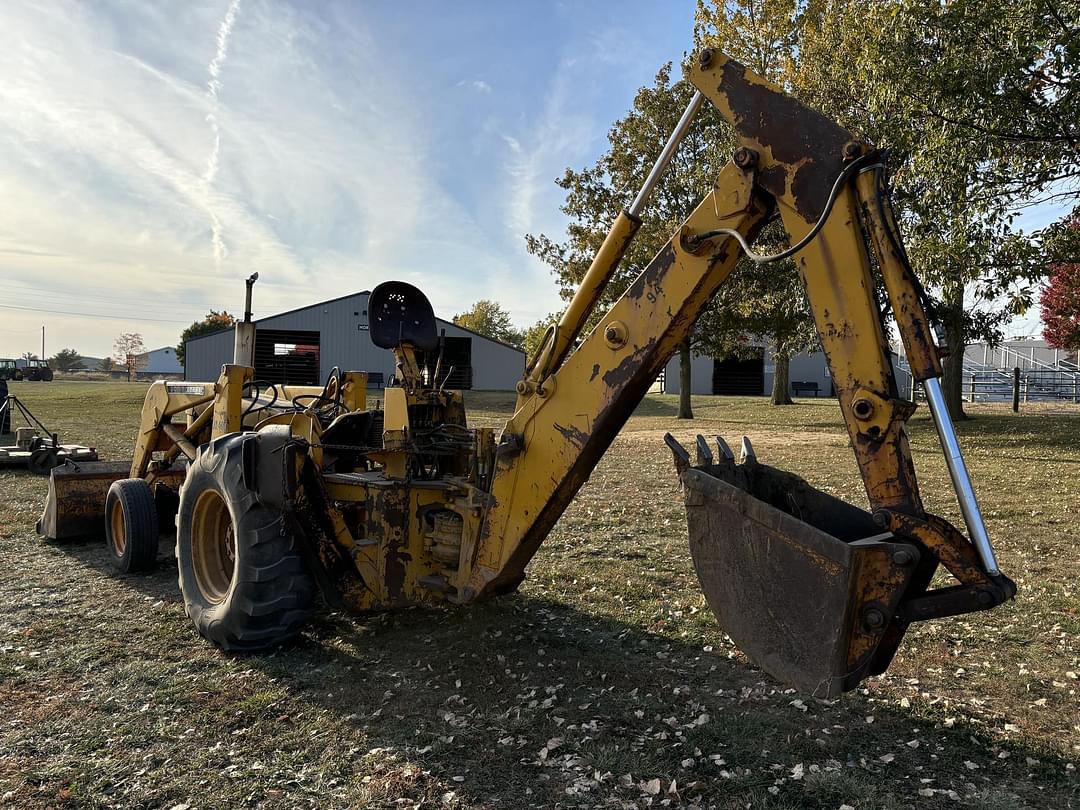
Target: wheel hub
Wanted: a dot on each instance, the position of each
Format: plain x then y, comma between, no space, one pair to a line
213,546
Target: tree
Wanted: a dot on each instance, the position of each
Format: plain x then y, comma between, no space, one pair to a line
129,353
213,322
106,364
66,360
487,317
761,302
1000,74
1061,307
28,356
1060,302
951,88
924,76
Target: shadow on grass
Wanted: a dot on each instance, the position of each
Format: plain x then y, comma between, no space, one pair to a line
1052,432
479,692
530,701
160,583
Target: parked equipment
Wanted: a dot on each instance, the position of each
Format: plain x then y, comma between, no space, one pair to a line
36,447
35,370
281,492
9,369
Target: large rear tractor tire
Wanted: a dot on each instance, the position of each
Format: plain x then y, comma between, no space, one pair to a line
245,584
131,525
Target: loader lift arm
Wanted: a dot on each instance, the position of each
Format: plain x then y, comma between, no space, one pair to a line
827,188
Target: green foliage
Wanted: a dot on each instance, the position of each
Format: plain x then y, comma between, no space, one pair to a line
597,193
488,317
977,104
213,322
66,360
106,364
533,337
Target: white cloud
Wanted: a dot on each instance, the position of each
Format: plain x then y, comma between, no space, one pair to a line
479,85
138,143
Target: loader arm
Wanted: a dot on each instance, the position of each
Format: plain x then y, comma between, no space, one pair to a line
826,187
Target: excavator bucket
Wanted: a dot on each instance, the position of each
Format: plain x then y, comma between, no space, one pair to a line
75,505
805,584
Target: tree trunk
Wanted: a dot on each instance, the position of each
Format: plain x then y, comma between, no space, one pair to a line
952,382
781,394
685,411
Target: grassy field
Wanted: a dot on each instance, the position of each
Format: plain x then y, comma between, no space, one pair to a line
604,682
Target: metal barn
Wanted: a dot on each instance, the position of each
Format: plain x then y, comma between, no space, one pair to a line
301,346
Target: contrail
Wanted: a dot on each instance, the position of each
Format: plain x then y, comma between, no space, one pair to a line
212,87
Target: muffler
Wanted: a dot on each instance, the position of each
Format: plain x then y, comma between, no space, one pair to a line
805,584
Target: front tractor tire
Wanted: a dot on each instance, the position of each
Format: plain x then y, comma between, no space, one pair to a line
244,582
131,525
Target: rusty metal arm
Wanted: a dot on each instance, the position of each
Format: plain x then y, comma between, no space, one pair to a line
559,432
789,162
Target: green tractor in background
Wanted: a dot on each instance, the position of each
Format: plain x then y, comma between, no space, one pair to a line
9,370
35,370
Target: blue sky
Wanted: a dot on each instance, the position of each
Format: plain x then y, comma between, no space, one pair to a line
152,155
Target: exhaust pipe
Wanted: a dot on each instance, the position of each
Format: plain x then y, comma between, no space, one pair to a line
244,344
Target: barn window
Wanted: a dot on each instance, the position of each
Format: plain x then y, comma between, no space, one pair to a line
289,357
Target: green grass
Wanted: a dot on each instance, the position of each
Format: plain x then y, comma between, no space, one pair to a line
605,678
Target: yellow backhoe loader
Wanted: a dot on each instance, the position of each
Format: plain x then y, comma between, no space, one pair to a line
280,494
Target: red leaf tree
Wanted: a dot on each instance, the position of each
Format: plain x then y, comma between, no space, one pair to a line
1061,307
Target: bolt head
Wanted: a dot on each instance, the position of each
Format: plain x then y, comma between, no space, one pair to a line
705,57
744,158
903,557
611,333
874,619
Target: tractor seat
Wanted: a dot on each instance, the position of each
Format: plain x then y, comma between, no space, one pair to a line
398,314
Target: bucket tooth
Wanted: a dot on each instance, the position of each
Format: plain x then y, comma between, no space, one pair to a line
726,456
704,454
681,456
747,454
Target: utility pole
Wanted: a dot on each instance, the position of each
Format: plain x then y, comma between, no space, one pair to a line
43,341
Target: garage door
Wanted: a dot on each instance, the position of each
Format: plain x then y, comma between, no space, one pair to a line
456,362
287,357
739,377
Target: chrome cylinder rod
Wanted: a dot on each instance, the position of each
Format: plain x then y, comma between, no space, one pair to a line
965,492
668,152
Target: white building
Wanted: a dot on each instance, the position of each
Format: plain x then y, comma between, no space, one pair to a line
809,375
303,345
158,362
